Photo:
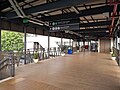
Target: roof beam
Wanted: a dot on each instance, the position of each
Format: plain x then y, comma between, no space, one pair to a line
5,4
52,5
97,34
92,30
102,23
82,13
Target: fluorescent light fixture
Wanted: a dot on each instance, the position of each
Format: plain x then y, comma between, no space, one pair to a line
107,31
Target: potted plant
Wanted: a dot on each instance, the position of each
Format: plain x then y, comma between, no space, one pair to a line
113,56
63,50
36,56
110,51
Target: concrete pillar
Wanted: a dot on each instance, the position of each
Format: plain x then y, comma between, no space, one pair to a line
25,42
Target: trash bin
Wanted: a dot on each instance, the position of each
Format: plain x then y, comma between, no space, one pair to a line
70,51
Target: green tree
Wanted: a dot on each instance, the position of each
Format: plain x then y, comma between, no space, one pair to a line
12,41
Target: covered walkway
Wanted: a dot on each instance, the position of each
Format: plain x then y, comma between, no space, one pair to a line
84,71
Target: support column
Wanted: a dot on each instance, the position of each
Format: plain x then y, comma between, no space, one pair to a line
25,42
116,42
89,45
61,44
83,45
69,42
48,43
0,35
0,41
111,39
119,55
78,48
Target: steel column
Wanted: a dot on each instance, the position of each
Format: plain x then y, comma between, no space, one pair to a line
0,41
69,42
61,43
48,43
119,54
25,42
113,14
0,34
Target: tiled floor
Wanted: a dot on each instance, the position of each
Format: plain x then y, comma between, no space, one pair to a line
84,71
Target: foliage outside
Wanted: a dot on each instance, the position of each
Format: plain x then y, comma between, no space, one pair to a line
12,41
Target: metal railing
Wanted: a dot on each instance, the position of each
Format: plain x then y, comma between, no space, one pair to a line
117,54
10,60
20,57
7,68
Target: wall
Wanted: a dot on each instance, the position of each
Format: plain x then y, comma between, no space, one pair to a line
104,45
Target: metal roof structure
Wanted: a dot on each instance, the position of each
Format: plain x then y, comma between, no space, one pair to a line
69,18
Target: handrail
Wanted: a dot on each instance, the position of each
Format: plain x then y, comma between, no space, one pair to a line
3,66
7,61
2,61
117,54
21,58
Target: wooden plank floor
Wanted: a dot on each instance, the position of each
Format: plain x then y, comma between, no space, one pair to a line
84,71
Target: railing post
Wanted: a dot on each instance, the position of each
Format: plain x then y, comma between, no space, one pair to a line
12,64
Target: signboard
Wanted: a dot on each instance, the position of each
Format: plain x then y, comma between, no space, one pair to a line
62,25
25,20
64,22
65,27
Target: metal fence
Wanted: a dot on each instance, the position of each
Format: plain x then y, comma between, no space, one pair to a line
22,58
7,67
117,54
10,60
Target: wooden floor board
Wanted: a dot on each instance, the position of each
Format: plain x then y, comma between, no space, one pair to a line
83,71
